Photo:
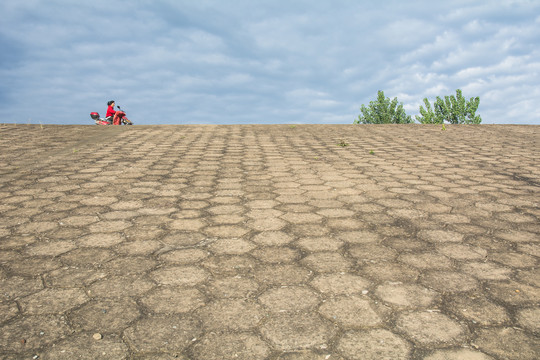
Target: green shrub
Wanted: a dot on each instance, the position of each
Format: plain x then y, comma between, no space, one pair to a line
453,110
383,111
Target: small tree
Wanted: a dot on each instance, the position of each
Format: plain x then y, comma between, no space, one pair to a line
383,111
427,115
453,109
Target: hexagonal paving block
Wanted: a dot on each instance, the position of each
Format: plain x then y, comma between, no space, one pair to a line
234,286
296,208
228,265
531,249
514,259
230,346
145,232
308,355
320,243
79,220
105,315
261,214
530,277
477,308
226,231
426,261
8,311
171,300
192,205
109,226
529,318
160,356
374,345
227,219
305,230
231,314
15,287
15,241
231,246
226,209
340,284
301,218
458,354
162,333
431,328
372,253
84,347
184,256
98,200
508,343
289,299
52,301
182,239
32,332
515,293
405,243
517,236
449,281
139,247
335,212
267,224
292,199
129,265
186,224
351,312
33,266
127,205
406,295
262,204
100,240
276,254
463,252
87,257
393,272
37,227
328,262
487,270
346,224
50,248
289,332
272,238
179,275
120,286
440,236
282,274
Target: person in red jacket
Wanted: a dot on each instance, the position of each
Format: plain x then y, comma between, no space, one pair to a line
110,109
117,115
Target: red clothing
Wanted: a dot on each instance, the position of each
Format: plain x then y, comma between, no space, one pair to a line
110,111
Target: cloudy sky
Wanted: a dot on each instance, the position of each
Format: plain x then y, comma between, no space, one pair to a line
267,61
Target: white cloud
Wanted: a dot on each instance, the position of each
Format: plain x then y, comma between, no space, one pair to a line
226,62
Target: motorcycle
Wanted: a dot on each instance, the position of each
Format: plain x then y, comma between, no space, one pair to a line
109,120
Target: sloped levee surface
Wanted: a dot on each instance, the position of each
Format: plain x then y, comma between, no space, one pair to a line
269,242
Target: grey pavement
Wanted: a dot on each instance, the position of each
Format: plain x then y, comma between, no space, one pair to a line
270,242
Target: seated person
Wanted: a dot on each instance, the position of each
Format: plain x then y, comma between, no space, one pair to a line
116,115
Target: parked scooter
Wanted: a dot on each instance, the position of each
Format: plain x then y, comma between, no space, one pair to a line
123,119
100,121
109,120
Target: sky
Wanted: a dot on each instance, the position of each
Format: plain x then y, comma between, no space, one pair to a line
265,61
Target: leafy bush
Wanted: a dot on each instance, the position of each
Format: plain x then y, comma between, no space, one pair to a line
383,111
453,109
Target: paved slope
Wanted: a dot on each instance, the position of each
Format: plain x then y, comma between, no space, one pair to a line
269,242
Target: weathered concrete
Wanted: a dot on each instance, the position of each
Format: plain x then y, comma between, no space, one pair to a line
269,242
